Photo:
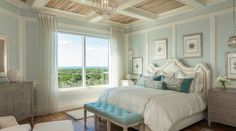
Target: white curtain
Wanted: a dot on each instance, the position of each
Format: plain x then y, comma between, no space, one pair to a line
117,57
47,64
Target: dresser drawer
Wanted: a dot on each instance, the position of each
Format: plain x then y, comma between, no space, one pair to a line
226,96
226,112
224,104
228,120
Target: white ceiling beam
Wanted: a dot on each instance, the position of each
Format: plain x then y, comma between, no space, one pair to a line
38,4
197,4
140,14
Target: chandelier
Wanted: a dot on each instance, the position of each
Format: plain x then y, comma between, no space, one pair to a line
105,8
232,39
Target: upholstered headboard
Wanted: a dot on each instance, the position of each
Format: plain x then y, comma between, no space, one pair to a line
175,65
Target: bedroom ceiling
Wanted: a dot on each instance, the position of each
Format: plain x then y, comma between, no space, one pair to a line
128,12
159,6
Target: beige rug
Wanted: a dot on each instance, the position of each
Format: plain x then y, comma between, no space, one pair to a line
78,114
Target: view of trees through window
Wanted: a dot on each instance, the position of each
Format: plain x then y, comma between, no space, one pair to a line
82,60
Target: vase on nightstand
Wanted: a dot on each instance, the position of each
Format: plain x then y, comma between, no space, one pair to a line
13,75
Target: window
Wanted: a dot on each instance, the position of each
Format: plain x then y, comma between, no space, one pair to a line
82,60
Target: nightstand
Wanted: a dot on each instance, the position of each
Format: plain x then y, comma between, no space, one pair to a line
127,82
222,106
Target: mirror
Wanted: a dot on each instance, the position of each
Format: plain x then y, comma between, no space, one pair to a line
3,54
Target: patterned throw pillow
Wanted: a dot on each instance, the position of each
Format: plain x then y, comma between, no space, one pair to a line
142,80
153,84
172,83
177,84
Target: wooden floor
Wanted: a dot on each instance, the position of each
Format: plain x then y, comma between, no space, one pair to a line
79,125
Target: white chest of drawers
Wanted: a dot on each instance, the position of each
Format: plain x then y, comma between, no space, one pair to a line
222,106
16,100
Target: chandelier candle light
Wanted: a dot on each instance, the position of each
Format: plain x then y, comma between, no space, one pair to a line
105,8
232,39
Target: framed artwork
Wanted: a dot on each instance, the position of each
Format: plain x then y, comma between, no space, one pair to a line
3,54
192,45
230,67
137,65
160,49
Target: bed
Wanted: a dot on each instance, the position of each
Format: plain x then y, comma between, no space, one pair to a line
165,110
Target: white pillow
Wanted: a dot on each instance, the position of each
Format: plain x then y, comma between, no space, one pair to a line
25,127
181,74
167,74
7,121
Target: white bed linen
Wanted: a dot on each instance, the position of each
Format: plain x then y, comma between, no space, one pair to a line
133,98
163,111
160,108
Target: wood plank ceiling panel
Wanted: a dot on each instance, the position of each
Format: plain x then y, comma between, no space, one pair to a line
70,6
159,6
122,19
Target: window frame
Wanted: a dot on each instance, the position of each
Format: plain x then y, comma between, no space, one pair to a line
84,86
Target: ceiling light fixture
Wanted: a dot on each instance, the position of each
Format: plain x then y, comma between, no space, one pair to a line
232,39
105,8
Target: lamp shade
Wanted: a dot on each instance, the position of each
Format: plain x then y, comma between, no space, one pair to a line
232,41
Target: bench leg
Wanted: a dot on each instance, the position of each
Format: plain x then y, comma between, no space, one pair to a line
125,129
108,125
95,121
85,118
142,127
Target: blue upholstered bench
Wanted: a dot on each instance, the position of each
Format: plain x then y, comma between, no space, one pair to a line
113,114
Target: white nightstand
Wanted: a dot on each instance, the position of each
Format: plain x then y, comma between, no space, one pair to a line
127,82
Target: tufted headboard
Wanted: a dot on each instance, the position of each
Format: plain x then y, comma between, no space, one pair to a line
174,65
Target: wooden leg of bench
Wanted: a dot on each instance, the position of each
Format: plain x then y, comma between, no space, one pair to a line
95,122
85,118
125,129
108,125
142,127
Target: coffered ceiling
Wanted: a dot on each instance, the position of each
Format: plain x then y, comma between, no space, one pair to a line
128,12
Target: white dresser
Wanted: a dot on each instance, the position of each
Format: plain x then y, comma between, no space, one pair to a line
16,100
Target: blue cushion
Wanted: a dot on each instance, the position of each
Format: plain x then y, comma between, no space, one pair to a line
115,113
185,85
158,78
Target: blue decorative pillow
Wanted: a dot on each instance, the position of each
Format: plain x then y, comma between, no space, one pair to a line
158,78
185,85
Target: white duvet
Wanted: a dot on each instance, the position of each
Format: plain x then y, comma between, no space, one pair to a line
160,108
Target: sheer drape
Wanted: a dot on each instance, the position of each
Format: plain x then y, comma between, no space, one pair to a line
47,64
117,57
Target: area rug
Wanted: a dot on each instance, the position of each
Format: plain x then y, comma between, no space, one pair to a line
78,114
